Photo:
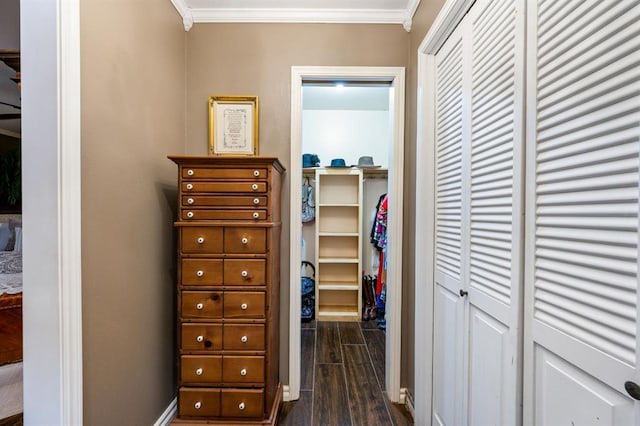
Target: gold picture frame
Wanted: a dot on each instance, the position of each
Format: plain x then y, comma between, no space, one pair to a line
233,125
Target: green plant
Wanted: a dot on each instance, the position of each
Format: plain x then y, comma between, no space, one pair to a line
10,178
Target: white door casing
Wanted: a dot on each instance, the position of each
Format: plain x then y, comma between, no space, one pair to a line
51,175
583,145
395,76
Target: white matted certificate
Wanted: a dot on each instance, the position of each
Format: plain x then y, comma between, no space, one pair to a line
233,125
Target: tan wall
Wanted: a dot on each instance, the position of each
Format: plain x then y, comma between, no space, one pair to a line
256,59
422,20
133,106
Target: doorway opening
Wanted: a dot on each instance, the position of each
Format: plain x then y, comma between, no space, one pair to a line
392,78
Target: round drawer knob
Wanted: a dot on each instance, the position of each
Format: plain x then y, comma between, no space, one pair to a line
254,186
189,215
197,405
256,215
199,372
243,372
244,306
241,406
200,273
189,186
199,306
256,201
200,240
256,173
189,200
190,172
245,241
244,339
200,339
244,274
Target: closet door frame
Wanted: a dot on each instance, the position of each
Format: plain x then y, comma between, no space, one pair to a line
446,22
396,77
52,257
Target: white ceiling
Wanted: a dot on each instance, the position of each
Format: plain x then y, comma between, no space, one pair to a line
316,11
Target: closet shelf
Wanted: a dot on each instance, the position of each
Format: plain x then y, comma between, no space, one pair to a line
338,234
338,239
338,260
338,286
366,172
337,313
338,205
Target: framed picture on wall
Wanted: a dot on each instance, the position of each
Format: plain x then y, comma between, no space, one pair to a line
233,125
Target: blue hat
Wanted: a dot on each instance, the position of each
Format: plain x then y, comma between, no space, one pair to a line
310,160
338,162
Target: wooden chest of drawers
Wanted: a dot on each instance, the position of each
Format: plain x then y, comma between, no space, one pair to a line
228,290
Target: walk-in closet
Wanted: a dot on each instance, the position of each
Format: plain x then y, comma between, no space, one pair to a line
346,143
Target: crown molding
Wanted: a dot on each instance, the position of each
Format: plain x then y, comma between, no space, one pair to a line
295,15
412,6
300,15
185,12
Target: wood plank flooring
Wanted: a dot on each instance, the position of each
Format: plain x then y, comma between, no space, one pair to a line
342,378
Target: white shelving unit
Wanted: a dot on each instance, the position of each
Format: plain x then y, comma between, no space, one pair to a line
338,244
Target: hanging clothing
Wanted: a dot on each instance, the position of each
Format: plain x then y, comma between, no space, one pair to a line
379,228
379,239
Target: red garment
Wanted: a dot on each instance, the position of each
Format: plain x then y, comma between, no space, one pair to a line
380,280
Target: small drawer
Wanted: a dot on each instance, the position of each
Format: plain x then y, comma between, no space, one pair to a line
196,369
201,239
243,337
225,187
224,201
242,403
202,271
244,304
245,240
227,214
202,304
201,337
223,173
244,272
243,369
199,402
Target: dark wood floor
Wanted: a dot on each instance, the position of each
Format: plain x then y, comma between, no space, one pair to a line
342,378
12,421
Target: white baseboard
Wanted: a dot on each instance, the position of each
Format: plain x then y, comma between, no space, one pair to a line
168,415
286,394
403,396
407,400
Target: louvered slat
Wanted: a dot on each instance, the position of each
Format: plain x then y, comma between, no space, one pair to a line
448,159
587,174
492,135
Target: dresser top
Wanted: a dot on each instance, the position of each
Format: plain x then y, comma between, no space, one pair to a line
209,160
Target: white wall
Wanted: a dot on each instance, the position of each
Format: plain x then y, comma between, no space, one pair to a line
347,134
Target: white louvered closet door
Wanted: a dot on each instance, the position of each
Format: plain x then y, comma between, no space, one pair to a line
448,305
496,206
478,247
583,145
